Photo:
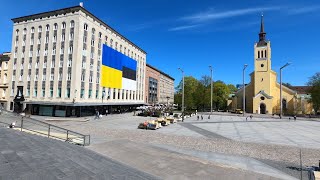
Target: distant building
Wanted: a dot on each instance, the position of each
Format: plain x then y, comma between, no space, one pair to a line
159,87
263,92
4,77
68,62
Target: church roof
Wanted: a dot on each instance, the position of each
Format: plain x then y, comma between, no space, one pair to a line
301,89
264,94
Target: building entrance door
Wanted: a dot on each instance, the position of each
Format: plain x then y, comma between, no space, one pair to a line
262,108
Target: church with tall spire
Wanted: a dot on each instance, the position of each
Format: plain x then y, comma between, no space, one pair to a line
263,92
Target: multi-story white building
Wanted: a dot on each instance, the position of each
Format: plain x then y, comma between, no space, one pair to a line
4,81
57,59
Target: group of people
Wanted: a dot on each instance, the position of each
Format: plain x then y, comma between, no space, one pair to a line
198,117
98,115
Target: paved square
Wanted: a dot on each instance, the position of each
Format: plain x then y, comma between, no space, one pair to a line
299,133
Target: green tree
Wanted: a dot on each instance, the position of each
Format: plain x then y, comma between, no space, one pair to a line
202,95
220,95
178,99
232,88
314,90
190,87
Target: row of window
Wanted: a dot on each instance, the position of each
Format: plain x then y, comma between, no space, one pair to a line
55,27
262,54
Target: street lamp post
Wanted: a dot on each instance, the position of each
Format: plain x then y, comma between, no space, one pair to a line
211,89
244,90
287,64
182,93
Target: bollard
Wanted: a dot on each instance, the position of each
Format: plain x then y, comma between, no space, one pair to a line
21,124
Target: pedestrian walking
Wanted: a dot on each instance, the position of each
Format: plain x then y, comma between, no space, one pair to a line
107,112
295,117
250,117
209,117
198,117
97,115
201,117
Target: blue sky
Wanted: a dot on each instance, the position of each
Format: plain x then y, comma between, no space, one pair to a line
193,34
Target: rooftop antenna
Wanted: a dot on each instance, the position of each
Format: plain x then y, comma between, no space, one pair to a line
81,4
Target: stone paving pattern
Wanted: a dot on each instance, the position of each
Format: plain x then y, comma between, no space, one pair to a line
264,140
26,156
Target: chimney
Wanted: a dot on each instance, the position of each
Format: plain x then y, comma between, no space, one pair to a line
81,4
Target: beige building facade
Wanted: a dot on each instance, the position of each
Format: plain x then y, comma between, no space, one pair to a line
262,94
4,77
56,60
159,87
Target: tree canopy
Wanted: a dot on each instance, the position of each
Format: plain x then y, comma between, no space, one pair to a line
314,83
197,93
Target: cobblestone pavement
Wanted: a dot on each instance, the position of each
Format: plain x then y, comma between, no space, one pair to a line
274,142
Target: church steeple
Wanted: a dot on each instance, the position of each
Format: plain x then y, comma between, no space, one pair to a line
262,34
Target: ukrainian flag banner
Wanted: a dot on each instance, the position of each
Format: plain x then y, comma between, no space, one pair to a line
117,70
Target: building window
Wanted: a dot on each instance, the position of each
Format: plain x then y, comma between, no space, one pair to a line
54,38
68,93
265,53
69,76
63,37
69,62
59,93
51,77
54,51
82,93
82,77
43,92
55,26
17,32
93,31
32,30
72,24
47,27
71,36
40,29
63,25
111,43
35,92
90,93
28,92
70,49
51,92
24,31
85,27
97,94
60,77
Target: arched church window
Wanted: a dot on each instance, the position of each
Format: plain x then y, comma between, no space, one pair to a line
262,54
258,54
284,104
265,53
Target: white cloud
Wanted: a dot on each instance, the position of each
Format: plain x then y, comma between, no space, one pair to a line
179,28
213,15
303,10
